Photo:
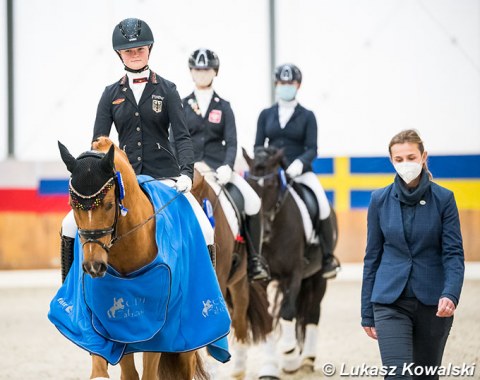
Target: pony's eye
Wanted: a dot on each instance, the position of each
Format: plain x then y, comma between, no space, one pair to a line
109,205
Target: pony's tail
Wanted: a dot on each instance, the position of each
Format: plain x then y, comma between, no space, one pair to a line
312,291
259,319
200,371
177,366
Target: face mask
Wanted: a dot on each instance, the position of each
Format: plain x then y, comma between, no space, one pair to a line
408,171
286,92
203,78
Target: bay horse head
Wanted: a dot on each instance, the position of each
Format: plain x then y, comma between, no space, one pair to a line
267,178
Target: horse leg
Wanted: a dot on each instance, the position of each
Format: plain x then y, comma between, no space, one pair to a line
270,368
291,360
239,358
99,368
240,298
309,352
151,360
128,370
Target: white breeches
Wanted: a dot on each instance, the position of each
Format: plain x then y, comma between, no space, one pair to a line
250,197
69,226
311,180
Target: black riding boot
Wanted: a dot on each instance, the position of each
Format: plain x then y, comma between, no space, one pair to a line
66,255
257,267
331,265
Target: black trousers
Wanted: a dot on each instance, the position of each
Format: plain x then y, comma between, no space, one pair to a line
411,338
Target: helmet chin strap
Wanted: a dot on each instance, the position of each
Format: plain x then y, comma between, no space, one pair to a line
135,71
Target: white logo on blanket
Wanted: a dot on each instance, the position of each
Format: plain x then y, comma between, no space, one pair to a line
213,307
134,308
68,308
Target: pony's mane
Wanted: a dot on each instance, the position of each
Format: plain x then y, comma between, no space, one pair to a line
103,144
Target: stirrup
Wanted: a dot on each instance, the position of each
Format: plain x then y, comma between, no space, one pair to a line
258,270
330,271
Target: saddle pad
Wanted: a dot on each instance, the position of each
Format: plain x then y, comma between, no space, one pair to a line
307,222
122,310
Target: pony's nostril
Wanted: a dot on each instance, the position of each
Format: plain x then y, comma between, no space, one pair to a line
102,268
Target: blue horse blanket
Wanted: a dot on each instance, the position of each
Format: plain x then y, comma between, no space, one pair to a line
173,304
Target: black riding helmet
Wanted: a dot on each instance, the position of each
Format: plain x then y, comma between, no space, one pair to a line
287,73
131,33
204,59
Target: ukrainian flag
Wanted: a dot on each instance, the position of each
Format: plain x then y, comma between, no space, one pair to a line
349,181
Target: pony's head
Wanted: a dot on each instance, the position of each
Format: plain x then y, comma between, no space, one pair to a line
267,178
95,199
266,174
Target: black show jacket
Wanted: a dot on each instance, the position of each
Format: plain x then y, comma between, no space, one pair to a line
143,129
214,136
298,138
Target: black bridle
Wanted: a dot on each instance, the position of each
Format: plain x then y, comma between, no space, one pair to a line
282,195
93,235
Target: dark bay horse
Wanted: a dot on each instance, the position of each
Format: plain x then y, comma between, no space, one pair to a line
299,293
97,227
247,301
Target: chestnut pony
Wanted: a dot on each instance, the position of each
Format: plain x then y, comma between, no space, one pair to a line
166,366
247,301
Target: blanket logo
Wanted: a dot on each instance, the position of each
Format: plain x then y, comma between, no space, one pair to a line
125,309
213,307
66,307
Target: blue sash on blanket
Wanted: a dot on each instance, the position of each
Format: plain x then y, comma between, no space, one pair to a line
173,304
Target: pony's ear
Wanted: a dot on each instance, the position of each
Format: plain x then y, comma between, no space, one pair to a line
247,157
67,158
107,161
278,156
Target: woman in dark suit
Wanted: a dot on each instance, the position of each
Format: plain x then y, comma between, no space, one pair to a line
414,265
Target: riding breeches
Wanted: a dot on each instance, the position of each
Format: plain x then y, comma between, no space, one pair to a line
250,197
310,180
69,226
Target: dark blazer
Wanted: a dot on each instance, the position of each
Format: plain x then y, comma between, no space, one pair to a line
143,129
434,261
214,136
298,138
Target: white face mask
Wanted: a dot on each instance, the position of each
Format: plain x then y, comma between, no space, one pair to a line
408,171
203,78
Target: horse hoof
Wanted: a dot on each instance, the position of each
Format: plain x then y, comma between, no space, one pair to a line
238,375
269,371
292,361
308,364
